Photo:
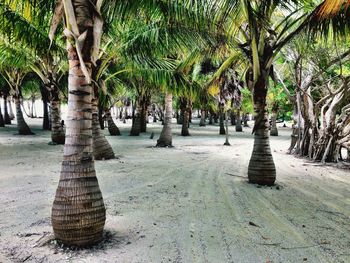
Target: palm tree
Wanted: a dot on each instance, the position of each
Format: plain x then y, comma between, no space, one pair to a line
78,212
260,42
45,63
12,63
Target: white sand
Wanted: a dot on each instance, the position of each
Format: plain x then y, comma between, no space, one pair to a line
190,203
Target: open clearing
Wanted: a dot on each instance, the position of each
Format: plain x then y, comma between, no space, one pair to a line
191,203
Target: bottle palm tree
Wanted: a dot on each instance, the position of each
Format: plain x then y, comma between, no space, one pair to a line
78,212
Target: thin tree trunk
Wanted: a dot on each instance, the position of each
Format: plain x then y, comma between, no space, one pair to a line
274,130
112,127
12,116
211,121
78,212
216,118
233,118
6,113
239,127
221,118
136,121
186,116
202,121
182,116
22,126
245,120
100,117
102,150
31,109
261,169
57,129
46,119
2,121
227,143
165,139
145,100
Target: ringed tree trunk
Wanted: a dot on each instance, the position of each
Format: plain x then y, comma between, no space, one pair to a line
202,122
261,169
112,127
22,126
57,129
102,150
239,127
185,108
6,113
165,139
78,212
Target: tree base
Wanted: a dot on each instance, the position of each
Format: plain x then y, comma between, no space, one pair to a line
264,183
58,139
227,144
26,132
114,131
162,144
274,132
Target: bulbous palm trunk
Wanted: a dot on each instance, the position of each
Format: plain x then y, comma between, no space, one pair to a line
202,122
22,126
78,212
261,169
165,139
57,129
6,113
102,150
112,127
239,127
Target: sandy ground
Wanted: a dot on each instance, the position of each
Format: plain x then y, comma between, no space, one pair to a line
191,203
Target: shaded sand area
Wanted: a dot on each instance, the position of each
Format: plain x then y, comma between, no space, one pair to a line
191,203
